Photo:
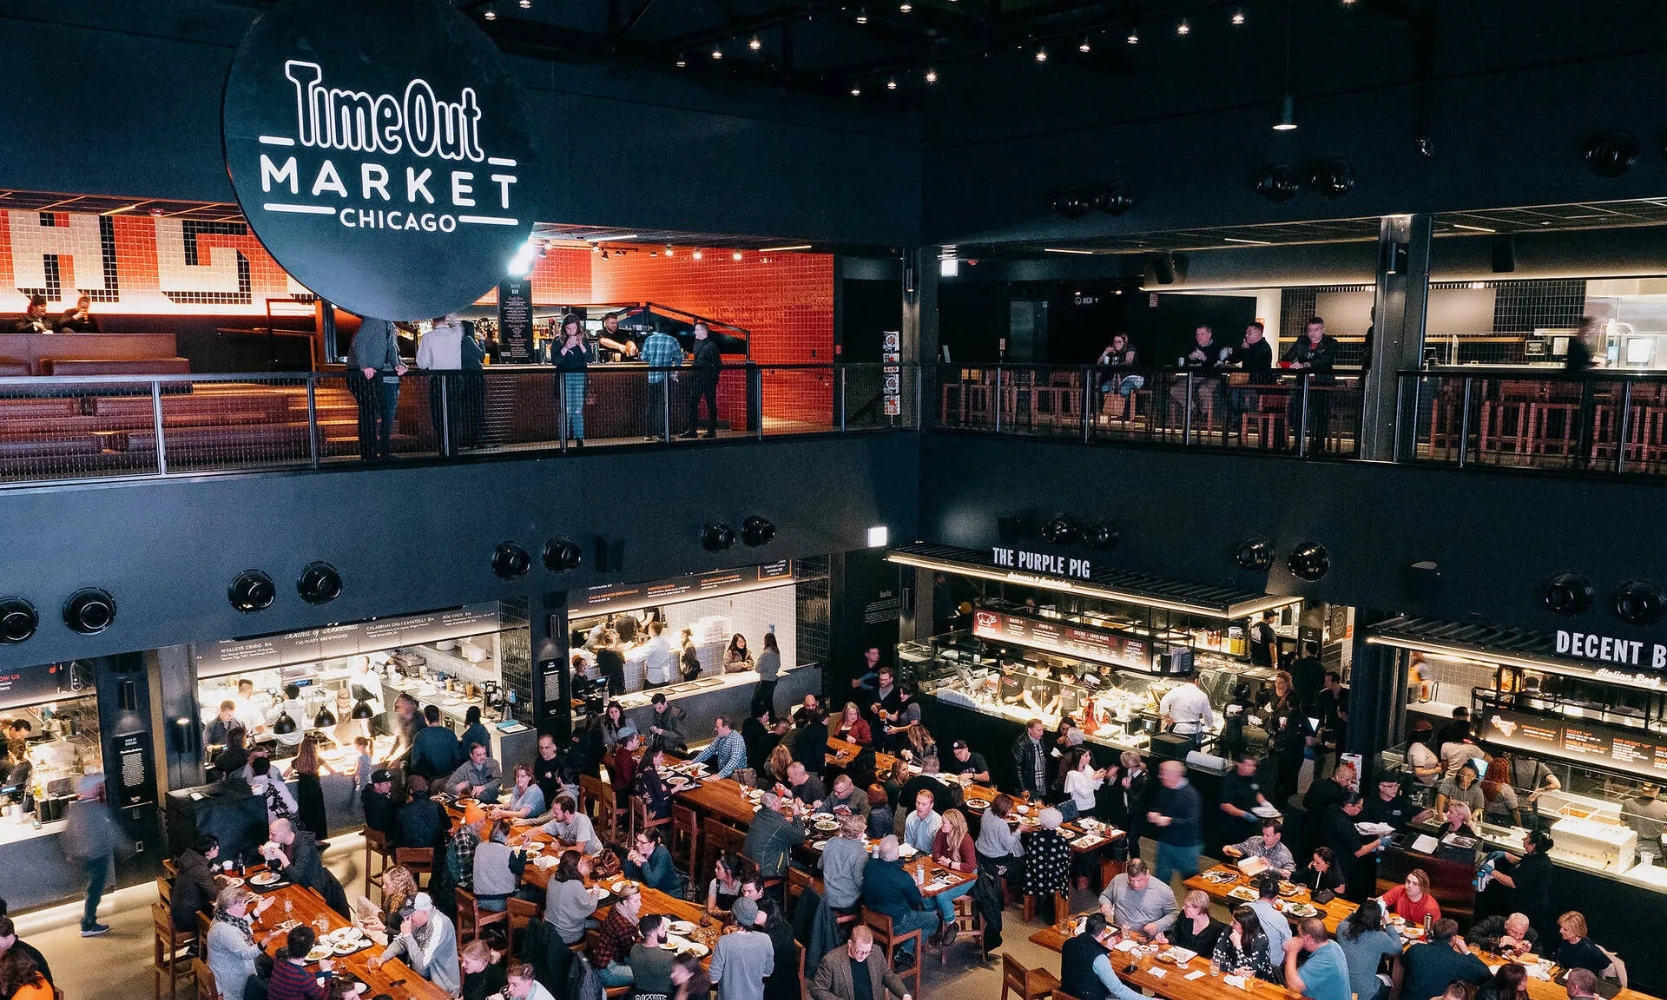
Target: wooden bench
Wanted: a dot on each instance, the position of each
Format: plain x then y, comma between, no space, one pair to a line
114,366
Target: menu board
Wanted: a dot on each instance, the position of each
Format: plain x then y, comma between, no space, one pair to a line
22,686
1067,639
230,656
1614,748
631,596
515,321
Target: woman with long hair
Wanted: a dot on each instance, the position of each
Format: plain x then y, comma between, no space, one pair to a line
1365,943
235,754
1412,900
1242,949
1082,780
568,905
776,767
1501,799
919,744
769,671
896,778
853,728
572,360
737,657
309,793
1509,982
952,847
650,787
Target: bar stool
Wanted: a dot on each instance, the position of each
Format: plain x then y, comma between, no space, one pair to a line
598,802
967,920
172,947
1061,906
886,937
639,817
376,847
207,989
471,919
419,861
1029,984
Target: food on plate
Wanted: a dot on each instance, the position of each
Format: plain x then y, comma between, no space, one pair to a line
265,878
682,927
1242,892
319,953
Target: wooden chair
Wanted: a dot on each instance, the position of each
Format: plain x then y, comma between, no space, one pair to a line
1029,984
685,836
207,989
889,939
1062,995
798,880
522,913
1061,906
597,801
165,891
803,986
718,837
639,820
967,921
172,947
419,861
376,849
471,919
204,923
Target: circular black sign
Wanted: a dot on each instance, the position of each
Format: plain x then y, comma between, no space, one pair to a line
380,151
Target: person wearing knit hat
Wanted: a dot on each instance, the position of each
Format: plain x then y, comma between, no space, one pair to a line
743,960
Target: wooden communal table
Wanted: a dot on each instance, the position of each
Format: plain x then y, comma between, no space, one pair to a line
1333,913
395,978
1169,980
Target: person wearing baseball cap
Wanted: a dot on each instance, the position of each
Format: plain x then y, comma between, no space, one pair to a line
743,960
377,801
428,942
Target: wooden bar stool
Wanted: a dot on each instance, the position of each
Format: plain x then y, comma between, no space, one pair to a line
718,837
419,861
967,921
376,848
597,801
173,948
887,938
685,836
471,919
1029,984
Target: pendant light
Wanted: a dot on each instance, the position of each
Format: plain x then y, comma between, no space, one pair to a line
1287,120
362,710
283,725
325,718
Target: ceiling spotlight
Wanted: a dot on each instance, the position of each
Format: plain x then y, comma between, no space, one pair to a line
90,611
526,4
716,536
18,620
252,591
717,53
696,255
931,76
1612,152
862,16
1287,120
905,6
510,561
1041,55
1567,594
319,583
1183,28
562,554
490,13
1238,17
891,84
1134,37
681,62
755,44
856,90
756,531
669,251
1085,47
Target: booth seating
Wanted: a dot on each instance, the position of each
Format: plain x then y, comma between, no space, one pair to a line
92,354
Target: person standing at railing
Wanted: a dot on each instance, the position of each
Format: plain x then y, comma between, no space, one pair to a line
440,353
704,382
660,351
472,401
373,371
571,362
1314,355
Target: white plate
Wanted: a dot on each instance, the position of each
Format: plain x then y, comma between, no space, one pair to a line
683,927
906,850
545,862
819,845
320,953
696,949
619,886
266,878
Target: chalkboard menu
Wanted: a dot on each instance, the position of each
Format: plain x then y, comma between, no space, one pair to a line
1067,639
21,686
230,656
515,321
1614,748
630,596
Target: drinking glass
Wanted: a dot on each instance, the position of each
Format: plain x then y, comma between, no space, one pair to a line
289,910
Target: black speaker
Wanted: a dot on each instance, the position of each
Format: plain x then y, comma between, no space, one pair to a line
610,554
1163,269
716,536
510,560
89,611
1101,536
1612,152
562,554
18,620
1253,554
1639,602
252,591
1061,529
1567,594
319,583
756,531
1504,253
1309,561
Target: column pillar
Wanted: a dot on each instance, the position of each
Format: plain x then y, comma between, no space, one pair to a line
1403,286
552,688
920,329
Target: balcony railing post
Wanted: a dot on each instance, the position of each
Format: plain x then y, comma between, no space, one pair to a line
1186,411
665,407
1302,418
445,414
996,401
1622,423
312,419
755,398
156,418
561,408
1087,405
1400,398
920,397
843,398
1464,421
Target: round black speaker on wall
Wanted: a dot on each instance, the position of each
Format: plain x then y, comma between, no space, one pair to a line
1640,602
756,531
319,583
716,536
1101,536
562,554
510,560
1061,529
1279,183
89,611
1612,152
1309,561
252,591
1567,594
18,620
1253,554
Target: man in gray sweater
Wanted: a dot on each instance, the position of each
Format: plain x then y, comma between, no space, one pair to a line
91,840
1135,901
373,371
428,941
744,959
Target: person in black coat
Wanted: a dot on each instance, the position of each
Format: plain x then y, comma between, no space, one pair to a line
1354,852
421,822
377,800
1315,355
703,381
194,885
759,736
810,747
1322,872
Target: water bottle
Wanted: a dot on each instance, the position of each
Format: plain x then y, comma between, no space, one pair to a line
920,877
1429,926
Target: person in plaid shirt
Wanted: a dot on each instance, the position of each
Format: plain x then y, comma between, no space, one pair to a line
660,350
727,751
460,850
615,939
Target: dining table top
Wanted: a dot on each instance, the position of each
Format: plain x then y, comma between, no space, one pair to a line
298,903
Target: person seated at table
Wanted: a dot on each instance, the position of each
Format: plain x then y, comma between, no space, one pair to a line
1135,901
611,948
774,771
922,823
479,777
294,855
622,763
377,804
483,972
1504,935
1463,787
497,869
649,862
194,886
1429,967
1509,982
773,834
1578,951
34,318
78,320
422,821
945,795
1365,945
650,963
968,764
521,983
1194,930
846,800
842,863
914,743
852,727
843,968
1321,872
428,942
1242,949
381,923
650,787
727,752
803,785
1411,900
1267,845
725,887
290,979
231,948
568,905
952,847
460,849
742,961
1324,974
570,826
526,799
889,890
880,812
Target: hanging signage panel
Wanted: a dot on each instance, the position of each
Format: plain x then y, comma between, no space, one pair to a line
1591,744
230,656
1080,641
630,596
23,686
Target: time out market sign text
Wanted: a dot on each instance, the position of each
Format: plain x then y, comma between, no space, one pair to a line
379,149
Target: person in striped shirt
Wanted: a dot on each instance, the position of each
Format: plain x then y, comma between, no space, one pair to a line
727,751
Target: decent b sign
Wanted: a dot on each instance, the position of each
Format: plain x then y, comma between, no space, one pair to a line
379,149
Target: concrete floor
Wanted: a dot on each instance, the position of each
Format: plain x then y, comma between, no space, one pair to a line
119,963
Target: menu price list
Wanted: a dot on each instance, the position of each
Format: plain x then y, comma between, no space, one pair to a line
1066,640
1601,746
337,641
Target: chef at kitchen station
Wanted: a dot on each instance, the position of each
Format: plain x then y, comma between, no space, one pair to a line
1186,711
